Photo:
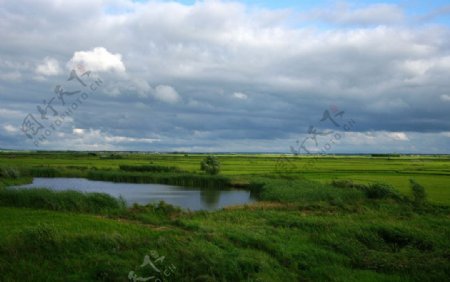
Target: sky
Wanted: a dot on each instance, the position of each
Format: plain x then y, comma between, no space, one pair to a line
225,76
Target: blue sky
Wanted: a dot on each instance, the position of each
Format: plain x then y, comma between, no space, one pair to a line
243,76
411,7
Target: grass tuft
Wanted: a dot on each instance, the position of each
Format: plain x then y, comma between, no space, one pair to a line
72,201
149,168
9,172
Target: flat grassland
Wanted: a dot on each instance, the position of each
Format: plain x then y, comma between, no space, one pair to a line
301,229
432,172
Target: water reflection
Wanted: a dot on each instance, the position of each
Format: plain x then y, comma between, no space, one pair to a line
210,197
187,198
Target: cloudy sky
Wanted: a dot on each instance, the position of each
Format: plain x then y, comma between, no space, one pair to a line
241,76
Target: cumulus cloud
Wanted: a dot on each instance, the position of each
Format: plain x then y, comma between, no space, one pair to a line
48,67
400,136
97,136
78,131
240,95
98,59
166,94
10,128
445,98
141,86
185,62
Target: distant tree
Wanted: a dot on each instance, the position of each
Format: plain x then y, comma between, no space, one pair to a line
210,165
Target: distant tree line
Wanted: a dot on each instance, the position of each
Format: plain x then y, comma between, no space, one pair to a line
384,155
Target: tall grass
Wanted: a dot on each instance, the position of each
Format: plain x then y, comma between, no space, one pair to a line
72,201
308,192
9,172
187,180
62,171
372,191
44,172
149,168
418,192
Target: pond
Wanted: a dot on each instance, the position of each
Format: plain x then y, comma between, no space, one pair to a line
186,198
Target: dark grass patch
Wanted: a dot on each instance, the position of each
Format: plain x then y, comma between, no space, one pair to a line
9,172
149,168
372,191
72,201
187,180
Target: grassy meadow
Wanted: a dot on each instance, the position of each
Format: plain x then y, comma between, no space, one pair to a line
432,172
331,218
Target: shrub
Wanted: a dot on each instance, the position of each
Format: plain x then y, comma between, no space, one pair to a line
187,180
372,191
418,192
149,168
44,172
380,191
111,157
307,192
342,183
60,200
210,165
9,172
163,208
76,167
41,237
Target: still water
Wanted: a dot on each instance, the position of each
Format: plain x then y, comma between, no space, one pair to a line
187,198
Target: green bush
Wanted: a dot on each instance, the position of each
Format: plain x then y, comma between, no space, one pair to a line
308,192
41,237
418,192
372,191
149,168
380,191
73,201
161,207
76,167
187,180
342,183
9,172
210,165
44,172
111,157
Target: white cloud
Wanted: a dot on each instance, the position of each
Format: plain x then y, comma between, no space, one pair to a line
11,76
240,95
372,14
78,131
141,87
399,136
389,75
166,94
124,139
95,136
48,67
98,59
374,138
7,113
9,128
445,97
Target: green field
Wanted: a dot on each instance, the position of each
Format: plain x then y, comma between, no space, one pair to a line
301,229
433,172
